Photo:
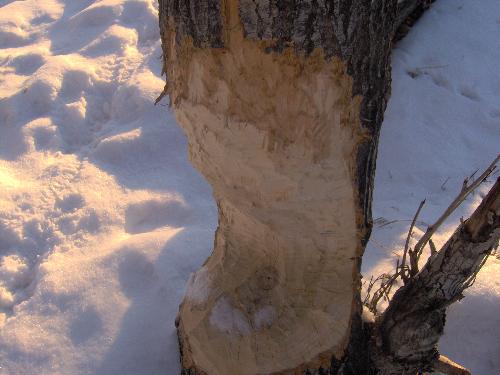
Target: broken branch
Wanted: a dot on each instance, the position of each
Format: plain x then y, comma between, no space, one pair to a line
448,367
467,188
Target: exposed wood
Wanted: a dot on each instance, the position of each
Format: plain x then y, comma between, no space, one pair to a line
282,103
407,249
446,366
282,111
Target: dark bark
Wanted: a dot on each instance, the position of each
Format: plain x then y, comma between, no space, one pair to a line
409,11
359,33
410,328
408,7
199,19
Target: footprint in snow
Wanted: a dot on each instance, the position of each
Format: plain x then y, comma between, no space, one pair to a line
27,64
469,93
152,214
74,83
135,272
70,203
495,113
10,39
86,325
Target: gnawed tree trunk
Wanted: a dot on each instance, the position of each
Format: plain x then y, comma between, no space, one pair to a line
282,103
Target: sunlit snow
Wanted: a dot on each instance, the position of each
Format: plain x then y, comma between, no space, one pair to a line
103,219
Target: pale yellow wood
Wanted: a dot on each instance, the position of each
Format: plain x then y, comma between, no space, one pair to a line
276,137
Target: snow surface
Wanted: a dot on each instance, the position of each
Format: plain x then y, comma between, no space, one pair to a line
102,218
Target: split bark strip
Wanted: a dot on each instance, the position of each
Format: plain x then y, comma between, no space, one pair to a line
469,185
404,276
410,328
446,366
406,272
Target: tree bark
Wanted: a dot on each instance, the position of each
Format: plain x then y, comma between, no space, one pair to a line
407,7
282,103
410,328
409,11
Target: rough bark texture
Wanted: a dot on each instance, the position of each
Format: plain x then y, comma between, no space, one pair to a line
410,328
199,19
358,32
407,7
409,11
282,103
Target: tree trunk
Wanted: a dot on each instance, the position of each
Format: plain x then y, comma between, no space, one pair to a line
407,7
282,103
409,11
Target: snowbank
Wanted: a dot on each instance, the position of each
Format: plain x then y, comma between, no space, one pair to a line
102,218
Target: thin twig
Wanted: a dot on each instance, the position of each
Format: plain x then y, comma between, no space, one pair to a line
433,247
162,95
406,272
444,183
407,243
468,187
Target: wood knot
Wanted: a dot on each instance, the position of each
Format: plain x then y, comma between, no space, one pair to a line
267,278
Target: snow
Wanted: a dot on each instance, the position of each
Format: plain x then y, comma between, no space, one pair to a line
442,124
229,319
102,218
199,286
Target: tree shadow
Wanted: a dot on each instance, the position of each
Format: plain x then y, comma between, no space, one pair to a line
467,320
154,148
147,340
